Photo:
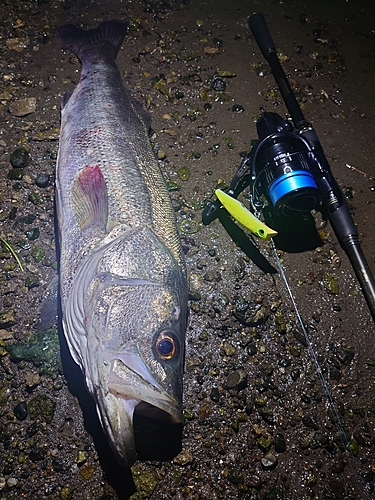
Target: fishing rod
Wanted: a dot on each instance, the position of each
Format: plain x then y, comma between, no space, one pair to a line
289,168
331,195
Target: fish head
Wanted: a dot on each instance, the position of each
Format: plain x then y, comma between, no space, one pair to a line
136,333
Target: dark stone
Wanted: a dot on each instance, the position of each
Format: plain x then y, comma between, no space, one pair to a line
32,234
15,174
20,410
20,158
219,85
237,379
280,444
215,395
237,108
42,180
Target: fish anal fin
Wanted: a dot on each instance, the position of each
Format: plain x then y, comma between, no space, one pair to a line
90,198
65,98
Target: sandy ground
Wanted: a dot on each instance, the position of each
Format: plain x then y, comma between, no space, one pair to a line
258,419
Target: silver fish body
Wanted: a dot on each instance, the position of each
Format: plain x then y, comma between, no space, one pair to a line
122,274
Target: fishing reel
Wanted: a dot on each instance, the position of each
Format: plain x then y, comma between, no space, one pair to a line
280,171
282,168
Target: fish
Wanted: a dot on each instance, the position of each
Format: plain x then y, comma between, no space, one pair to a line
122,276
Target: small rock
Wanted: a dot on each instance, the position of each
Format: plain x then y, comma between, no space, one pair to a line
32,281
18,44
15,174
20,410
331,283
254,481
23,107
11,482
269,461
237,379
237,108
185,457
5,335
37,254
87,472
48,135
32,379
42,180
66,493
280,444
32,234
145,482
7,319
215,395
34,198
264,443
42,407
81,457
219,85
20,158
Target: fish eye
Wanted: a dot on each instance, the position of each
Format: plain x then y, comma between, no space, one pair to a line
166,345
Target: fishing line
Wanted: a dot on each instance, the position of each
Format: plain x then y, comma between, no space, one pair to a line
317,365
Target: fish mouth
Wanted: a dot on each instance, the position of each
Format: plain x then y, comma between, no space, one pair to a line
133,390
130,378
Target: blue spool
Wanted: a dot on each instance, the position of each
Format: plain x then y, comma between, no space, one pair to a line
290,183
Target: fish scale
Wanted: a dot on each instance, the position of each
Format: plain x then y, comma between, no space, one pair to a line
122,275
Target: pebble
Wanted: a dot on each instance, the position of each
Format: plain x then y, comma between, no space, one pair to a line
18,43
269,461
32,234
15,174
11,482
237,379
49,135
32,379
81,457
183,173
42,407
237,108
331,283
87,472
5,335
19,158
185,457
280,444
2,482
7,319
66,493
32,281
20,410
34,198
42,180
37,254
218,85
23,107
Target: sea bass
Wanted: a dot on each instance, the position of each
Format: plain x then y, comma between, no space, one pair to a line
122,275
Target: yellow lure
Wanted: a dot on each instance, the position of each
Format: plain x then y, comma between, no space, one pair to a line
239,212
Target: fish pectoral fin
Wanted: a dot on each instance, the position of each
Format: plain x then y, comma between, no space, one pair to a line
90,198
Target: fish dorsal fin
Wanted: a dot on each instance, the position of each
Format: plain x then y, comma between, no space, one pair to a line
90,198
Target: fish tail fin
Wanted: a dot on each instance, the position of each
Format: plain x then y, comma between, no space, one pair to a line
77,40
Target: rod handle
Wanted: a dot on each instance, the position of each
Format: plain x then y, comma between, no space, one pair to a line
261,33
